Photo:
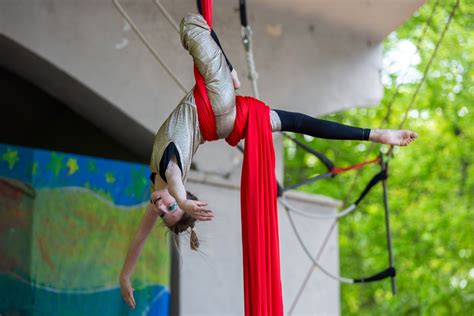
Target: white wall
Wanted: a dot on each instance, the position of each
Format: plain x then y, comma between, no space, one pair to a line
211,279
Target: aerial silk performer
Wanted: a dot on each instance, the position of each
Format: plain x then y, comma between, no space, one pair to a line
212,111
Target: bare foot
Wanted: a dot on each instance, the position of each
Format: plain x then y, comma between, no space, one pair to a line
235,79
392,137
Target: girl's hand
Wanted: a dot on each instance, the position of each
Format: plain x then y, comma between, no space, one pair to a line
127,292
197,210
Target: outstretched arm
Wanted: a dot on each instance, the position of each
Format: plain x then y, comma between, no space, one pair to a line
143,231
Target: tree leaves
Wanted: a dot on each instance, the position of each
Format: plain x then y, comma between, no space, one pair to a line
431,182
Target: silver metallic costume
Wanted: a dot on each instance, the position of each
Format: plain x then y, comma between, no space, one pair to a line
182,126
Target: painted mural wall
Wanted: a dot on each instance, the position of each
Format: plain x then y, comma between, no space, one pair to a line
65,225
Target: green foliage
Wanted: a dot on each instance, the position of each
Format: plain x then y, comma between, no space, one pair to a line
431,182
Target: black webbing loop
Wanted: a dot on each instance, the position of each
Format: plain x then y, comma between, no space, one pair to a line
243,13
382,175
325,160
390,272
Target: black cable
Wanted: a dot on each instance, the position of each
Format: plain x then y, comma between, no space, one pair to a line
387,273
243,13
199,7
382,175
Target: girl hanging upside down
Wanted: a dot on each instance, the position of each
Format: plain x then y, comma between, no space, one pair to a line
179,137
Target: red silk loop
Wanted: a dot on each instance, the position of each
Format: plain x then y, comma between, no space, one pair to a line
238,132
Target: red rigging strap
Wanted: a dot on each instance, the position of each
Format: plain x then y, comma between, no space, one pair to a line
336,170
258,195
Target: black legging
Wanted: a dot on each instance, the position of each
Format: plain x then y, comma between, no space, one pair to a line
304,124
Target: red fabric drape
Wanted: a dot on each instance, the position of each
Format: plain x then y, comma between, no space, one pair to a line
260,241
258,198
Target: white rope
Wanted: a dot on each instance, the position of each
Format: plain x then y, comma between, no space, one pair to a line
248,45
311,269
292,208
313,260
167,15
147,44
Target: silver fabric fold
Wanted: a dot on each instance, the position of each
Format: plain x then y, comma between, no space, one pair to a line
209,59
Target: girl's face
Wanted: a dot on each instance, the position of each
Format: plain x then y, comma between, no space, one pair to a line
170,212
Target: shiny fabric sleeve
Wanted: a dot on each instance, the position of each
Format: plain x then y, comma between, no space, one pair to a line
209,59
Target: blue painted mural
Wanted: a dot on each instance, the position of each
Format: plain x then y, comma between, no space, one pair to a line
66,222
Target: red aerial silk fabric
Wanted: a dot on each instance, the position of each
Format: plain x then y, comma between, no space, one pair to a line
258,195
258,199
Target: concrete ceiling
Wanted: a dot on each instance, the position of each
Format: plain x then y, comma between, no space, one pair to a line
313,56
373,18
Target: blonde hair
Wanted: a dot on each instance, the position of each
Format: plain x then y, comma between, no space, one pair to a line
193,239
